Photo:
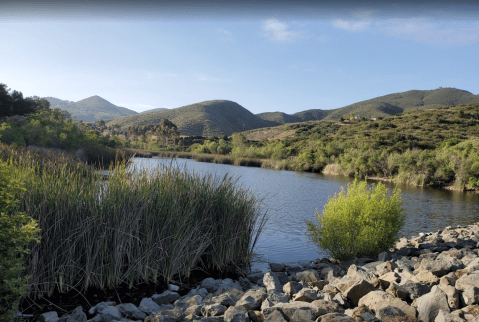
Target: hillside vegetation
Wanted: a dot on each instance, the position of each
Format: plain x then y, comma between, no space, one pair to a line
437,147
209,118
90,109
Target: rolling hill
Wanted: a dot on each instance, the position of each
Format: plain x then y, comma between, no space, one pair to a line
209,118
90,109
393,104
278,118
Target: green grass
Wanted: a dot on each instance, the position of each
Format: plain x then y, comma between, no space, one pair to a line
139,226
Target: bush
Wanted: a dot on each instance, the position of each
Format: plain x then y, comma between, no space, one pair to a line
17,230
363,222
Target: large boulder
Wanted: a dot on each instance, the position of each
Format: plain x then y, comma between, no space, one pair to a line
167,297
467,280
358,290
414,289
236,314
444,316
307,276
335,317
377,300
252,299
292,288
428,305
271,282
149,307
130,311
210,284
288,309
306,295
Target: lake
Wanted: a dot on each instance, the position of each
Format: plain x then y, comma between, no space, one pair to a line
291,198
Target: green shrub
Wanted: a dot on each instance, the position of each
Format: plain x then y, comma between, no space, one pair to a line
17,230
361,222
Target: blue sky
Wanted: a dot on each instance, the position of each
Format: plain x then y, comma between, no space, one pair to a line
277,56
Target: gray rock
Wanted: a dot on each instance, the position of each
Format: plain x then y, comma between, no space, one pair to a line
428,305
277,267
442,266
415,290
148,306
195,310
236,314
444,316
361,273
306,295
210,284
251,300
271,282
278,297
292,288
302,315
452,296
335,317
384,256
173,288
470,295
307,276
328,306
129,310
342,300
112,311
97,308
255,277
282,277
288,309
76,316
167,297
185,302
276,316
157,318
467,280
377,300
228,284
213,310
172,314
391,312
51,316
358,290
245,284
226,299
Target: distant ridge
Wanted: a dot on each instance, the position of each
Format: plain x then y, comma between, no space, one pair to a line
209,118
90,109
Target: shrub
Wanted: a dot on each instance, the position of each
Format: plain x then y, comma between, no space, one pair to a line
361,222
17,230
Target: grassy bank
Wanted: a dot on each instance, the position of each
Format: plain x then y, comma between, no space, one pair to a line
144,226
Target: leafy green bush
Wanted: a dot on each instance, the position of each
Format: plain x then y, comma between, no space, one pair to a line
17,230
361,222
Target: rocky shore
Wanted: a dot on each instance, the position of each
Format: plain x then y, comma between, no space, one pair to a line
431,277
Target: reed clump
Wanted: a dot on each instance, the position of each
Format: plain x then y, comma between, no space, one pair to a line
147,225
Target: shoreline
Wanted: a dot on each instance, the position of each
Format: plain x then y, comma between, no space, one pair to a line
435,267
330,169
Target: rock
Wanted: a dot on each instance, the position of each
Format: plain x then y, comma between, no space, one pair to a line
185,302
148,306
251,300
129,310
288,309
213,310
292,288
386,279
471,311
194,310
328,306
210,284
428,305
452,295
76,316
377,300
425,277
319,284
397,291
236,314
226,299
335,317
470,295
157,318
306,295
228,284
255,277
245,283
113,312
302,315
97,308
172,314
167,297
48,317
361,273
341,300
271,282
467,280
277,297
307,276
444,316
255,316
384,256
277,267
173,288
276,316
442,266
266,304
358,290
391,313
344,283
415,290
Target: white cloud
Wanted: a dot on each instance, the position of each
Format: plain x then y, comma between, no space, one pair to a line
354,26
421,30
278,31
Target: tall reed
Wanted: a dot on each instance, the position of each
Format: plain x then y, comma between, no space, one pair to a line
139,226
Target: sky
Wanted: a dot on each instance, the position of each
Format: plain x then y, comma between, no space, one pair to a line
267,56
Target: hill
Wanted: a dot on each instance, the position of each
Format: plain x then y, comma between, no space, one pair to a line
209,118
278,118
393,104
155,110
90,109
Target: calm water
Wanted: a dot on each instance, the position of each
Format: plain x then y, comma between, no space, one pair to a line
291,199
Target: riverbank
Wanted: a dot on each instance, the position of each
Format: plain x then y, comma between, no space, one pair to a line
329,169
430,277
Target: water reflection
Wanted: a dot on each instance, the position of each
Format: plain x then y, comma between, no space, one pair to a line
292,198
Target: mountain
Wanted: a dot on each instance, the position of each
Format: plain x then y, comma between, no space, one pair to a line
209,118
155,110
90,109
278,118
392,104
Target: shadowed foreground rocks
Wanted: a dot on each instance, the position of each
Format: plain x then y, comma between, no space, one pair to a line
432,277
